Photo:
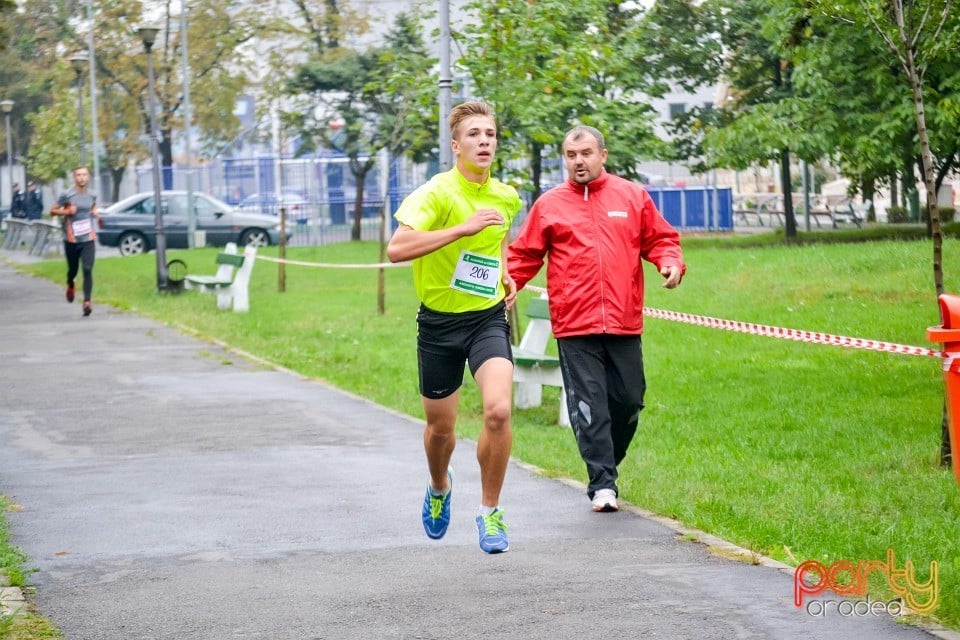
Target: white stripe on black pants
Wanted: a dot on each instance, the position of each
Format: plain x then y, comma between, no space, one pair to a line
603,377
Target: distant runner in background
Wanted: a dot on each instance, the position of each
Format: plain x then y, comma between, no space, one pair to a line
79,210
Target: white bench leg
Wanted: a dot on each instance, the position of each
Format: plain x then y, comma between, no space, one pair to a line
241,299
528,395
224,298
564,418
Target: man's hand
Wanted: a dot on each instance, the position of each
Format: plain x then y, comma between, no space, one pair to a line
63,210
480,220
510,291
673,274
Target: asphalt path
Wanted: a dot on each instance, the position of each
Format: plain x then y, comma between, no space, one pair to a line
171,488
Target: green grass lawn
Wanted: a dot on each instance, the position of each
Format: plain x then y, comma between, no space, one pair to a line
796,451
25,625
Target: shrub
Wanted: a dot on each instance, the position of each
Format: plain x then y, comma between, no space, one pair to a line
898,214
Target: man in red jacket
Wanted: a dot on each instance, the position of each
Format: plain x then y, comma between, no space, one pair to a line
597,228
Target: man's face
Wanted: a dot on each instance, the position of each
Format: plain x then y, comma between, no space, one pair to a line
476,143
81,177
584,159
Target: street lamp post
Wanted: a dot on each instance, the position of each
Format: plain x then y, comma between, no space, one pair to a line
446,83
149,35
191,211
7,106
78,61
94,135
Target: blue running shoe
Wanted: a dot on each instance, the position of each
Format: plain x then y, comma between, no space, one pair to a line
493,532
436,511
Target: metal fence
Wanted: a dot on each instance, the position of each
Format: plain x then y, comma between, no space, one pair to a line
319,193
700,208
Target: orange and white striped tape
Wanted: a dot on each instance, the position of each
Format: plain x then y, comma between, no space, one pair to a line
787,334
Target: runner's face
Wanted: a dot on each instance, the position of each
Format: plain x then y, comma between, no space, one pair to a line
476,143
81,177
584,159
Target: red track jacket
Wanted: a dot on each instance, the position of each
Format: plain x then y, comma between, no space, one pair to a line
595,236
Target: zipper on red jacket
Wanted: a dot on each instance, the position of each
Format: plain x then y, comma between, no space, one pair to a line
596,227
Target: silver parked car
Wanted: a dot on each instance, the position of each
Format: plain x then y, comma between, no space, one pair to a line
297,206
129,224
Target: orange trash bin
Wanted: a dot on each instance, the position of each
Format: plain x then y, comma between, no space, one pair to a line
948,334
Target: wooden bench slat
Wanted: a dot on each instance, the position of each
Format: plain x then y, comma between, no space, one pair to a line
230,258
531,359
208,280
538,308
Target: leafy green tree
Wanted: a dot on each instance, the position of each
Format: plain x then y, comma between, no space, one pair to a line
765,118
27,78
548,65
215,29
381,97
215,32
56,121
872,116
917,36
6,7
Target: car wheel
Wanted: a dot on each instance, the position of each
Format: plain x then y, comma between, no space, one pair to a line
255,237
132,243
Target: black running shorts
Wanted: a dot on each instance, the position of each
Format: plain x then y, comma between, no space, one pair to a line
446,340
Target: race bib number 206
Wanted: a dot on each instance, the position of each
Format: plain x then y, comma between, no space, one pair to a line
477,275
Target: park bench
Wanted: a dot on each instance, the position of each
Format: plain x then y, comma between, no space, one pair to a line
18,232
852,212
231,282
37,236
760,205
46,234
843,209
532,366
819,209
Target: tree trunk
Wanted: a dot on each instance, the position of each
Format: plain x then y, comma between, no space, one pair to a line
382,272
790,221
361,177
908,182
166,158
536,169
117,175
933,213
946,456
868,190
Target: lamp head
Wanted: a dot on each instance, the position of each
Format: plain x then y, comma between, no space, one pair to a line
78,61
6,106
148,34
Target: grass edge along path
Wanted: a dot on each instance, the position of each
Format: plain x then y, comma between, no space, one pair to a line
792,451
17,621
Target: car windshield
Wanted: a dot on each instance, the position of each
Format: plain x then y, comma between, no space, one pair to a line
203,207
146,207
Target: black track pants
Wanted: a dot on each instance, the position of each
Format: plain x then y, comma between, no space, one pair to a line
81,253
603,377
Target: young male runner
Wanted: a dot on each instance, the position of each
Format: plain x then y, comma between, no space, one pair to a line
455,229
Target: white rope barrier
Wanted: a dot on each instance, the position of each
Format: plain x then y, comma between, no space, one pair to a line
334,265
785,334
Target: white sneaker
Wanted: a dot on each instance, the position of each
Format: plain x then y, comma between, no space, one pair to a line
605,500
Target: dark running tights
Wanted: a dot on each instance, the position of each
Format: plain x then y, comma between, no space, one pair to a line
80,253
